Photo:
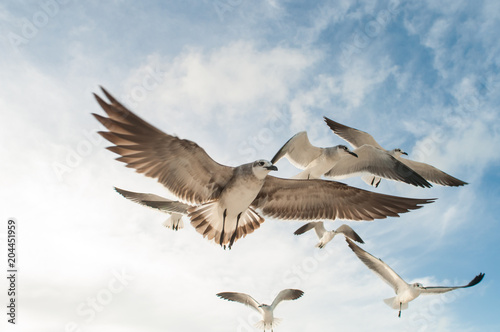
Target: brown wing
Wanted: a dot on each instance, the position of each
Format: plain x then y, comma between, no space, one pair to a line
377,162
180,165
155,201
354,136
321,199
241,298
432,174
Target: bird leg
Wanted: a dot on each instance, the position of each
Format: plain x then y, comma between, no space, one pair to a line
400,305
233,237
223,226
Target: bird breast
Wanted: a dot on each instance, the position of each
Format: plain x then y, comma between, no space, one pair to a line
410,293
327,237
267,314
239,193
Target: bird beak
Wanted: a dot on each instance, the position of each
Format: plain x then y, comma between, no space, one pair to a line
272,168
405,153
355,155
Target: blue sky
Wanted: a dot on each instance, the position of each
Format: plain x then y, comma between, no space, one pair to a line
240,78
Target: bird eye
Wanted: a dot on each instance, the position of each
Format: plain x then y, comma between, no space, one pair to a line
261,163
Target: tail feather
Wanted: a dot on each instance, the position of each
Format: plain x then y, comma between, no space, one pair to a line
174,222
208,221
320,245
261,325
391,302
372,180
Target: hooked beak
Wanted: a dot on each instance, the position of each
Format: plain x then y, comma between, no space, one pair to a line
272,168
355,155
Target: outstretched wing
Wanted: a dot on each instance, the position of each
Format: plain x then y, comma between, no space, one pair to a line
318,226
155,201
443,289
180,165
322,199
241,298
354,136
298,150
349,232
431,173
287,295
377,162
305,228
379,267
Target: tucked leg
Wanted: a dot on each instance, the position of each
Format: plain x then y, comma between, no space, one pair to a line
223,226
233,237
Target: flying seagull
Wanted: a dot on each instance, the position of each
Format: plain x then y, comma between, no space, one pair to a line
268,320
358,138
224,199
174,208
338,162
313,160
325,236
404,292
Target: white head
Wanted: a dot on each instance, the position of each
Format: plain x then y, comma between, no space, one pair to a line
417,285
344,150
397,152
262,167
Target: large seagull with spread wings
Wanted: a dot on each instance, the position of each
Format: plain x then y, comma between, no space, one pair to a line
224,200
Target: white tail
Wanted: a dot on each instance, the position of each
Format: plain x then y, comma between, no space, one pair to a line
371,180
174,222
261,325
391,302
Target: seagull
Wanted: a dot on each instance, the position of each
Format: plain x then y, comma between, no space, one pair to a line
313,160
224,200
404,292
325,236
176,209
339,162
268,319
358,138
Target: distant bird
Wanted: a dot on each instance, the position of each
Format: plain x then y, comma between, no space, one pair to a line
358,138
268,320
325,236
404,292
176,209
338,162
224,199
